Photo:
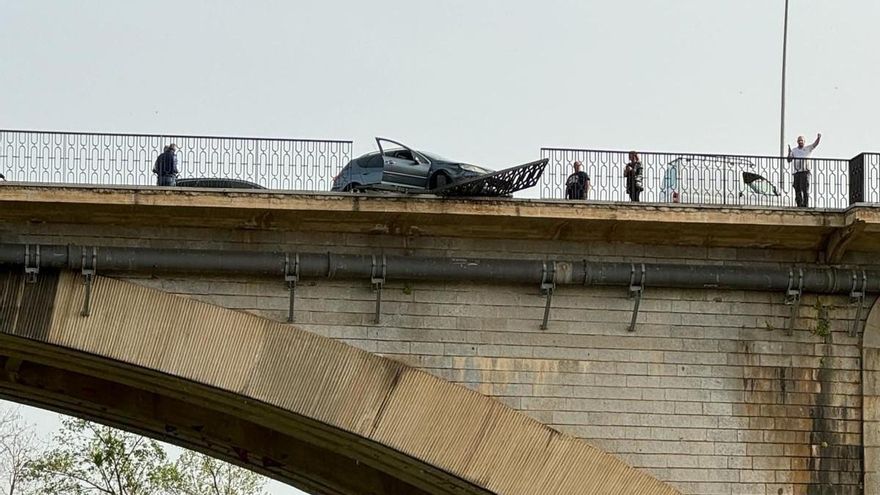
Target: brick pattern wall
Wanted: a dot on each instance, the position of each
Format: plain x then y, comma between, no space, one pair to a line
709,393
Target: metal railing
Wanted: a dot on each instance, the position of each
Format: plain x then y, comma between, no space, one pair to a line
732,180
127,159
864,172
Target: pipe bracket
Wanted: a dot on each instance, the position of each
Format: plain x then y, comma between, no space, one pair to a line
88,273
635,291
548,285
31,263
857,296
793,296
377,279
291,277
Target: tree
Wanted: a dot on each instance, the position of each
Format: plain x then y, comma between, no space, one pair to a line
88,458
203,475
18,445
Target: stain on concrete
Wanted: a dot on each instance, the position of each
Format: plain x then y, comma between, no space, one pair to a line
26,307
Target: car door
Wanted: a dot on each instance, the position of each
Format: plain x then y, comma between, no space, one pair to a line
402,166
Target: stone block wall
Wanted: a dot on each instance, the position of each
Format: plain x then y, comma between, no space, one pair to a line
709,393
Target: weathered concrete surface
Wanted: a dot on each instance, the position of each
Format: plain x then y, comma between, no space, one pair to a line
386,427
414,216
709,393
871,401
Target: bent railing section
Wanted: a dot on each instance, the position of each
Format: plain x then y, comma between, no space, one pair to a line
501,183
127,159
691,178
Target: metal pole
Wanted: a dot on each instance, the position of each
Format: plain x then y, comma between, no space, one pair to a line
782,111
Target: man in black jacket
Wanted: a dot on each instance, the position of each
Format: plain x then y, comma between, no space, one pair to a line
578,183
165,167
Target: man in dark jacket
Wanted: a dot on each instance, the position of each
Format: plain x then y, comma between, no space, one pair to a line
578,183
165,167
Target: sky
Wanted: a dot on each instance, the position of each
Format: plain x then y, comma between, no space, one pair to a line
484,81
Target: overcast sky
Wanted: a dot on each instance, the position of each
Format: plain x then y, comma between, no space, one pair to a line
489,82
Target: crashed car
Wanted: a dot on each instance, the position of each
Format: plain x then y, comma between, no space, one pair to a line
396,167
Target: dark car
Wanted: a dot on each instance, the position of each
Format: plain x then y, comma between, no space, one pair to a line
400,168
213,182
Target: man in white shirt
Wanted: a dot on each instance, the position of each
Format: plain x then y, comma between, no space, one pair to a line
799,158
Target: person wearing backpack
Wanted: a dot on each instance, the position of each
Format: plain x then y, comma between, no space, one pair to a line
633,173
165,167
578,183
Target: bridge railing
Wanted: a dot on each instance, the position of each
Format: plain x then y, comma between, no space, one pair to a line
735,180
864,171
127,159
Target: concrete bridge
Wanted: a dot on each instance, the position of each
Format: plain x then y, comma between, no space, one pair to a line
383,344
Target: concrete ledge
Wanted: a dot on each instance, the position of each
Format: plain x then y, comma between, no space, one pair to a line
410,215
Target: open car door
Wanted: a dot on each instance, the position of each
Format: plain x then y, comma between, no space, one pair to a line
402,166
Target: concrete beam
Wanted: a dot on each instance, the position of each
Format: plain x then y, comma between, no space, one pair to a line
408,215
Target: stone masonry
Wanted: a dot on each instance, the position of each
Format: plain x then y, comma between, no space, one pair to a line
709,393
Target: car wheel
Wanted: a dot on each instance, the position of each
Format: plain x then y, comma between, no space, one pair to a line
353,187
441,180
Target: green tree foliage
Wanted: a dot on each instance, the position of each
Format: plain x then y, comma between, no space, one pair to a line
88,458
203,475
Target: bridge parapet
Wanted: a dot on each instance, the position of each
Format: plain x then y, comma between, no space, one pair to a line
127,159
716,179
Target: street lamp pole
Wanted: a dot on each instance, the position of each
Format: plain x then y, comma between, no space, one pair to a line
782,112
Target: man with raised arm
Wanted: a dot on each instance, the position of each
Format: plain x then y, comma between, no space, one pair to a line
799,158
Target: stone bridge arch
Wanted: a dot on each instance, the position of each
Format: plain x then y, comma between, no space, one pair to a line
301,408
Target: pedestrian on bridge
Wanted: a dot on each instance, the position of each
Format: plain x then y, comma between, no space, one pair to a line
165,167
632,173
799,158
577,186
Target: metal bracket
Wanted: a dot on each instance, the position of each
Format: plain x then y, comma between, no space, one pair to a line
31,264
291,277
548,285
636,290
88,273
793,296
377,278
857,296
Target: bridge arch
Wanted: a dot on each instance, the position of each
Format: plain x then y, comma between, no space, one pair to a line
301,408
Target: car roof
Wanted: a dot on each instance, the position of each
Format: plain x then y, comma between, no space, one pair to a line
217,182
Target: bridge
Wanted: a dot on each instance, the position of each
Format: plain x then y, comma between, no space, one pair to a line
352,343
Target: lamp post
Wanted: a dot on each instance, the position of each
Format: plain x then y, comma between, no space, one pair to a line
782,111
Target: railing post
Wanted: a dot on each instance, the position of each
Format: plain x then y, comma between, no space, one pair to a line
857,179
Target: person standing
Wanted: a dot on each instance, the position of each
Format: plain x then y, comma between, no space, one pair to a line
577,186
799,158
632,172
165,167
